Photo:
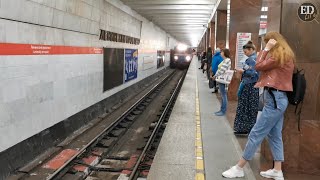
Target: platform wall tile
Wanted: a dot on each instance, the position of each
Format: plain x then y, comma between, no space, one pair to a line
61,5
63,85
58,18
7,6
45,16
84,9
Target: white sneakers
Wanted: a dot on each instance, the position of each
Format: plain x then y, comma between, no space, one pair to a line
233,172
273,174
237,172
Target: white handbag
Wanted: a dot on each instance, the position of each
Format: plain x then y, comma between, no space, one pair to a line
226,77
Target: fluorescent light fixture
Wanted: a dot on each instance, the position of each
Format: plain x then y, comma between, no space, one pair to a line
264,9
264,16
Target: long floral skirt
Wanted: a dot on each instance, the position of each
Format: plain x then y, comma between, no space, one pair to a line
247,109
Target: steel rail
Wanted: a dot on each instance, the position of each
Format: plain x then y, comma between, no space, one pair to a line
106,130
156,129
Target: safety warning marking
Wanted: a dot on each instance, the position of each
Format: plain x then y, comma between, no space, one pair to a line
198,141
199,176
38,49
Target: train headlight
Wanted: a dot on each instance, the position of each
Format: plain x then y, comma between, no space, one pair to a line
175,57
188,58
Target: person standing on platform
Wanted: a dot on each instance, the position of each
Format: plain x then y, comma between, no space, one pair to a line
275,64
248,95
223,67
199,55
216,60
203,61
209,61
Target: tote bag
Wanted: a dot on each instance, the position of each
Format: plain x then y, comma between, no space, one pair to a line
226,77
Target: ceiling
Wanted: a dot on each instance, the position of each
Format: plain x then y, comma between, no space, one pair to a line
186,20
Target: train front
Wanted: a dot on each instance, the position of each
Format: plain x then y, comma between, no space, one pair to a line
182,56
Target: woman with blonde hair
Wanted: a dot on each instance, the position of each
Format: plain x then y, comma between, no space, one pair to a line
275,64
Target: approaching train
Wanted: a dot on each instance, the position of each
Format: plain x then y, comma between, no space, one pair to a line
181,56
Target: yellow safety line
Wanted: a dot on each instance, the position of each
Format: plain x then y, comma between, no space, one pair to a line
198,141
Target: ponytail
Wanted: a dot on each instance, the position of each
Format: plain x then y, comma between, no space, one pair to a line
249,45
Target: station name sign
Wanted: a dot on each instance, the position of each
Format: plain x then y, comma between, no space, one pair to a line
115,37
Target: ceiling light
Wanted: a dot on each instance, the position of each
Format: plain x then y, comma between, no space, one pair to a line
264,16
264,9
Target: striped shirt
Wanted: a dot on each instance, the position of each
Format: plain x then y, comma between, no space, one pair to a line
223,67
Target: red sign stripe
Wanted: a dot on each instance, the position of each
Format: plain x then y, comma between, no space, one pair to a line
38,49
150,51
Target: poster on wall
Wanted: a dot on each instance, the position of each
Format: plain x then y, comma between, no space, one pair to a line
113,68
131,64
148,63
242,39
160,58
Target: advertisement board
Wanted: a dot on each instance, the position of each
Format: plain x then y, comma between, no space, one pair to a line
131,64
113,68
242,39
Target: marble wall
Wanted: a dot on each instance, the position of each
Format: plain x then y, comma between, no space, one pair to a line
202,44
274,12
212,34
221,29
244,17
208,35
302,148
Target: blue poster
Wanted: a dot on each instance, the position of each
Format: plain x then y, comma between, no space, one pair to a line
131,64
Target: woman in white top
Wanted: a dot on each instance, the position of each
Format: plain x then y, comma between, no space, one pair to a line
223,67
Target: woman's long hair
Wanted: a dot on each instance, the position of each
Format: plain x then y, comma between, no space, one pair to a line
226,53
281,52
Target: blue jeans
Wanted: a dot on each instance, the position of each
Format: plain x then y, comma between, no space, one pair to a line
268,125
224,103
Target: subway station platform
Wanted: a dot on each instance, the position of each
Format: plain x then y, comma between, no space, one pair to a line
64,64
196,144
199,145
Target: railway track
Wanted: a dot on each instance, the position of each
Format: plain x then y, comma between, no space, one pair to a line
123,148
149,149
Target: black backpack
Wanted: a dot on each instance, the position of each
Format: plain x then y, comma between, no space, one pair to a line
299,85
295,97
